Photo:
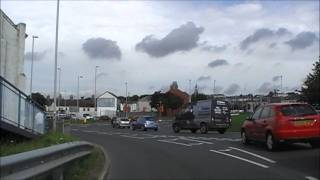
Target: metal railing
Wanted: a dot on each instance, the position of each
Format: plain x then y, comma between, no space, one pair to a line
44,162
17,109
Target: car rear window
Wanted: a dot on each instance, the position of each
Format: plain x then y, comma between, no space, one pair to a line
149,118
298,110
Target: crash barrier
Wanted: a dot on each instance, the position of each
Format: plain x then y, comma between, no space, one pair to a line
18,110
44,163
136,114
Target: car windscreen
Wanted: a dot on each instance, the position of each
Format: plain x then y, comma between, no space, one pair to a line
149,118
298,110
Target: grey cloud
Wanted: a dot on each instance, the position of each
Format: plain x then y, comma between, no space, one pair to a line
218,62
302,40
276,78
101,74
100,48
204,78
215,49
267,87
183,38
260,34
37,56
272,45
232,89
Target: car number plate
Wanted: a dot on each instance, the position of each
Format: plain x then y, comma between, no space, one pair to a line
301,123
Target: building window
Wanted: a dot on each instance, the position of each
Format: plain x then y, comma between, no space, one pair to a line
84,109
88,109
106,102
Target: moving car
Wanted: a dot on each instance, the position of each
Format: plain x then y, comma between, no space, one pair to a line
121,123
206,115
145,123
282,122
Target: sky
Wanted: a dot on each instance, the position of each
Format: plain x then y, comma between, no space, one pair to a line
244,46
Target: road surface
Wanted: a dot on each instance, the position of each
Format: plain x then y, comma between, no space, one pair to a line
165,155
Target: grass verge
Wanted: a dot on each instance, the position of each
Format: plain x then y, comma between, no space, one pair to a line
41,142
237,122
89,167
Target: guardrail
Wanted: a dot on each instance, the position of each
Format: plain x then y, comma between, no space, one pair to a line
43,162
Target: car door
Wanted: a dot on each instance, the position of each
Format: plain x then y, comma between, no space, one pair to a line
262,123
252,130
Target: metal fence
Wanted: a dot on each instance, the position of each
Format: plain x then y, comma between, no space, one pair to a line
17,109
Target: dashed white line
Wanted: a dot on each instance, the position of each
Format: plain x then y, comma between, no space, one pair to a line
240,158
253,154
188,139
173,142
311,178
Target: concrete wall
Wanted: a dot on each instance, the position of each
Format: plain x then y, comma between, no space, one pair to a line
12,51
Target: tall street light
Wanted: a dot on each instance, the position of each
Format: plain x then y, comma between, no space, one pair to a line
55,68
78,93
190,94
32,56
126,99
59,92
95,89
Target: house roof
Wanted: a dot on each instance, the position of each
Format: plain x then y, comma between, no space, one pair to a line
109,93
73,102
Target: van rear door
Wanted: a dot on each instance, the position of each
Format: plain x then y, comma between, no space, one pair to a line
221,113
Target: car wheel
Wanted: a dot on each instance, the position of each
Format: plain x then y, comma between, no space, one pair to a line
315,144
244,138
156,129
133,128
193,130
271,143
221,131
176,128
144,128
203,128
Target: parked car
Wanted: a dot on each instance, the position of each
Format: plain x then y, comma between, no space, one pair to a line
276,123
145,123
87,117
121,123
206,115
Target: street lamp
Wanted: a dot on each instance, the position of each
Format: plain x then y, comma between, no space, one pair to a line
78,92
59,93
55,68
32,55
126,99
95,89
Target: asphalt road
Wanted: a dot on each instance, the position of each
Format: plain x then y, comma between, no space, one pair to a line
165,155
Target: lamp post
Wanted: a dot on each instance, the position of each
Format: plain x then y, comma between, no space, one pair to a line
95,89
190,94
55,68
126,99
214,87
78,93
32,56
59,98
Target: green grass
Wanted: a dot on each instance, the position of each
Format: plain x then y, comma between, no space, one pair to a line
41,142
237,122
86,168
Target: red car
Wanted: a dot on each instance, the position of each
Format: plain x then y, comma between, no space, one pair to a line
282,122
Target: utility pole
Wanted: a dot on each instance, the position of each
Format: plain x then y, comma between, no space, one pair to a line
59,98
78,91
55,69
126,100
95,89
190,93
32,56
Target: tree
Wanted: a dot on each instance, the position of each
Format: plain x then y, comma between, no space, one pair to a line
198,97
311,88
173,101
168,100
39,98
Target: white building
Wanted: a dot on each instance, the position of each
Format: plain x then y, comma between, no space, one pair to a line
144,104
12,51
107,104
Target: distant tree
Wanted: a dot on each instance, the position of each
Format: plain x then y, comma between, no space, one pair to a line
270,94
198,96
311,88
39,98
168,100
157,98
133,98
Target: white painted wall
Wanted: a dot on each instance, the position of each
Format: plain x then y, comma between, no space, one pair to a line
102,110
12,51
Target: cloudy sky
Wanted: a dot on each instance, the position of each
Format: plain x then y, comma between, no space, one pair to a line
244,45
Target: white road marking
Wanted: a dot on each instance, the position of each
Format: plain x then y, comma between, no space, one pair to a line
225,150
173,142
73,129
240,158
89,131
253,154
202,142
134,137
311,178
104,133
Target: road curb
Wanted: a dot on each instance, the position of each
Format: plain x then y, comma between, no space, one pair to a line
107,164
